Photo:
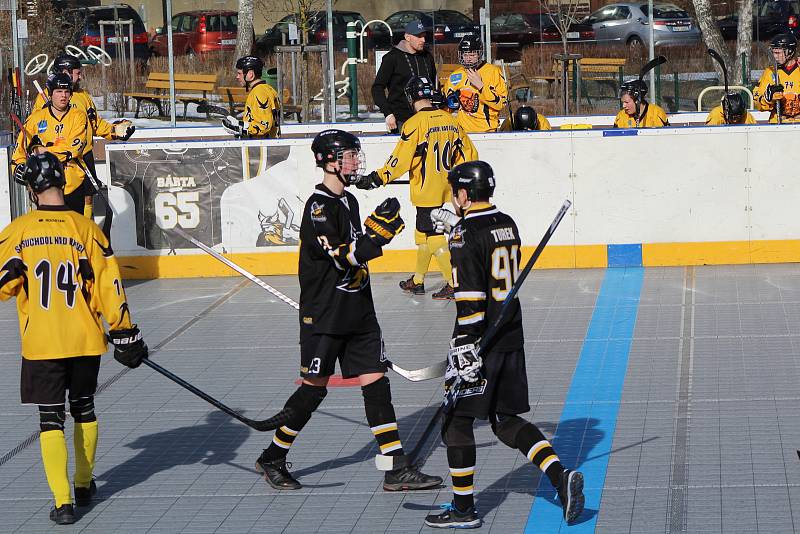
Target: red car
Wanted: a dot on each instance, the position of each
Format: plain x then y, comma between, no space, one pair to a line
198,32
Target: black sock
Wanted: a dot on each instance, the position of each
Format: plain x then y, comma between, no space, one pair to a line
303,401
462,470
532,443
381,417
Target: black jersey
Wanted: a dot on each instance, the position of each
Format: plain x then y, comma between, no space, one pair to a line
335,296
485,254
181,187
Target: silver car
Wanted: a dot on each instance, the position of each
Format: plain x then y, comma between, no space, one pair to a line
628,23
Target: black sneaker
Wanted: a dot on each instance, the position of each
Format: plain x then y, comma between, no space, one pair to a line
276,473
63,515
409,478
412,287
83,496
570,492
452,517
446,293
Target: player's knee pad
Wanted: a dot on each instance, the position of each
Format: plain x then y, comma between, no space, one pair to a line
52,417
307,398
437,244
506,427
457,431
82,409
379,393
420,238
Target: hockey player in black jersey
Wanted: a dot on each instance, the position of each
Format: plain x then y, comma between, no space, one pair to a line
486,258
337,315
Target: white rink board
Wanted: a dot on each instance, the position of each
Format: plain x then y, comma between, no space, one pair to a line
672,185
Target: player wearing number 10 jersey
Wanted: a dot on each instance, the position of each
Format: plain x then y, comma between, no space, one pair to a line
431,143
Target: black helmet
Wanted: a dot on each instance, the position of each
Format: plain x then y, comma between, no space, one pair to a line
65,62
59,80
419,88
246,63
636,88
477,177
526,118
329,146
470,43
785,41
43,171
733,108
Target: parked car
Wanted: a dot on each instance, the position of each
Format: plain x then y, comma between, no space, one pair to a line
198,32
84,23
628,23
317,33
515,30
447,26
770,17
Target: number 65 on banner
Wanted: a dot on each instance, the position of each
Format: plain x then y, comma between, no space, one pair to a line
173,209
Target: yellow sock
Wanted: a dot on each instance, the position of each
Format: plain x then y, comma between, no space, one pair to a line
423,260
54,458
85,440
87,207
438,246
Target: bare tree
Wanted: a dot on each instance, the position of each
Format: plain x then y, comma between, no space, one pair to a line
244,34
744,41
711,34
562,13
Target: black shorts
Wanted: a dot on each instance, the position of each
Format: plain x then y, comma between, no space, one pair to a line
358,354
76,200
47,381
424,222
501,388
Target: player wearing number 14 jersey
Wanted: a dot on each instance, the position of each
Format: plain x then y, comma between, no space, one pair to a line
431,143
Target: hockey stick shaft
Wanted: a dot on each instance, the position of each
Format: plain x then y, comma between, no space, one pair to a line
262,426
414,375
718,58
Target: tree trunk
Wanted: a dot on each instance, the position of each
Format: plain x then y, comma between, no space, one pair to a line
744,43
711,35
244,35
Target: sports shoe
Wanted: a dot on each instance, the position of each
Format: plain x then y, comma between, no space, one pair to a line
276,473
570,492
446,293
83,496
63,515
412,287
452,517
409,478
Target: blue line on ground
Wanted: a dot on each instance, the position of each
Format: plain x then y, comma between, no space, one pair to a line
625,255
589,417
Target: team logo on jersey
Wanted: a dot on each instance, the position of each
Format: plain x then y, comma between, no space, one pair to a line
318,213
356,279
41,126
279,228
457,237
456,77
468,100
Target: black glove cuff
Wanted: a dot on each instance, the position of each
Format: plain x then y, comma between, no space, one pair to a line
124,338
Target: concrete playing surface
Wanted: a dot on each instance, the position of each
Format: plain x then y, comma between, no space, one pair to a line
690,424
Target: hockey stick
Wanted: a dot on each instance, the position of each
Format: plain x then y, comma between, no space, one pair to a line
205,107
448,403
647,67
713,53
414,375
277,420
776,81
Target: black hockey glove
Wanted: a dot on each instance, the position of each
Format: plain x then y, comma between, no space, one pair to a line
123,130
19,172
384,223
233,125
129,347
369,181
772,90
463,356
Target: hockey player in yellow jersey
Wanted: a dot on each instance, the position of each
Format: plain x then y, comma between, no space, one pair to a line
62,130
477,89
782,97
431,143
732,110
63,273
261,115
636,111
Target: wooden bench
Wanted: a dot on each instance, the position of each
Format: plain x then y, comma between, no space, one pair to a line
592,68
234,98
195,89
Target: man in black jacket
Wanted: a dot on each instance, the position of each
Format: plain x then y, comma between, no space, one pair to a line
409,58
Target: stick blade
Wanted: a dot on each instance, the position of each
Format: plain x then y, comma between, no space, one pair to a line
274,422
436,370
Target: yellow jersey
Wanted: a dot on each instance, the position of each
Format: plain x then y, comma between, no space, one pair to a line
431,143
716,117
60,267
65,137
260,111
790,103
98,126
651,116
479,110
